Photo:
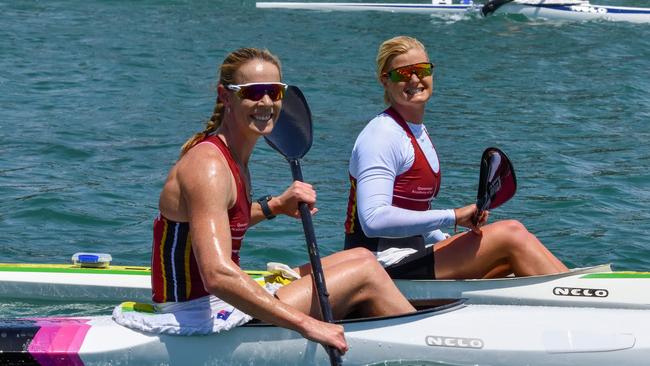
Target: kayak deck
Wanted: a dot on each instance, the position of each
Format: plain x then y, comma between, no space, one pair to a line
454,334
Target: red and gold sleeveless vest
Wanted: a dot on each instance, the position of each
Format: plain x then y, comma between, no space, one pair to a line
174,272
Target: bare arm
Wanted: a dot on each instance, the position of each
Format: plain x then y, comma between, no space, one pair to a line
208,190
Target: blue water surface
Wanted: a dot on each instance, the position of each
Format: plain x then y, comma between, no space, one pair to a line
96,98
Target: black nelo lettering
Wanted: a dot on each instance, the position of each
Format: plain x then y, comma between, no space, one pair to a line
582,292
454,342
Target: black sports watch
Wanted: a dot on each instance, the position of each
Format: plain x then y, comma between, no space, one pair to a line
264,202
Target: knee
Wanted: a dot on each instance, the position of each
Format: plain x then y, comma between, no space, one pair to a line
366,262
515,232
361,254
513,226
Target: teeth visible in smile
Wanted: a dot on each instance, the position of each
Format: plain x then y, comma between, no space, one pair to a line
262,117
413,91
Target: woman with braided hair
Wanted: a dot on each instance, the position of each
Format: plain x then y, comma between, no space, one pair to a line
205,210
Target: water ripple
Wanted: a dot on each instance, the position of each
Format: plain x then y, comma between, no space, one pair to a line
97,98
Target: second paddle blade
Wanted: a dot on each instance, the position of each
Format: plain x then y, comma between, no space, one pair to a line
497,181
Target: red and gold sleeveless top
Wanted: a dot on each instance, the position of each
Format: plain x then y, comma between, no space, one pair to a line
174,272
413,190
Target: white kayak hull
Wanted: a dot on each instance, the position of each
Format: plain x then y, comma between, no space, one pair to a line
582,12
457,335
386,7
594,286
67,282
575,12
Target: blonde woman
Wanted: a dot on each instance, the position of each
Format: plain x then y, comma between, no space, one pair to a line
395,174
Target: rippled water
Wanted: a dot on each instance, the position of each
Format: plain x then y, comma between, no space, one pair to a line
96,98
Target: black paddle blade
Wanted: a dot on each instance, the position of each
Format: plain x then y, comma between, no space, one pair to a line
292,137
292,133
497,182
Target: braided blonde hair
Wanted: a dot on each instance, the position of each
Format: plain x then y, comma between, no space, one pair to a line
230,65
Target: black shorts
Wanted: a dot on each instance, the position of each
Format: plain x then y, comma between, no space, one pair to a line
417,266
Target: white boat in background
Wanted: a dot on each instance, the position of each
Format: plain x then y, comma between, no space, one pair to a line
573,11
436,7
548,9
594,286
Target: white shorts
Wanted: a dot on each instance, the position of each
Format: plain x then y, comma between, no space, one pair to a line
204,315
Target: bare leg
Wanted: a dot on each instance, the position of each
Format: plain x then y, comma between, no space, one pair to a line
335,259
504,247
355,282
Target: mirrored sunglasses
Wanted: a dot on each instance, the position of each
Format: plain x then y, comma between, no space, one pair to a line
257,91
422,70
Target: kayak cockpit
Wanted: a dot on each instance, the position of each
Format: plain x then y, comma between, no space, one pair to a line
424,308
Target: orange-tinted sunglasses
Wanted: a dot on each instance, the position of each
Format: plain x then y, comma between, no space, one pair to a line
422,70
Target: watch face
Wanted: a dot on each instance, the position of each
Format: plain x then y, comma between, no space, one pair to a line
264,199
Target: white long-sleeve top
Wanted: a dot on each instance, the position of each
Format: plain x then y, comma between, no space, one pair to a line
381,152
